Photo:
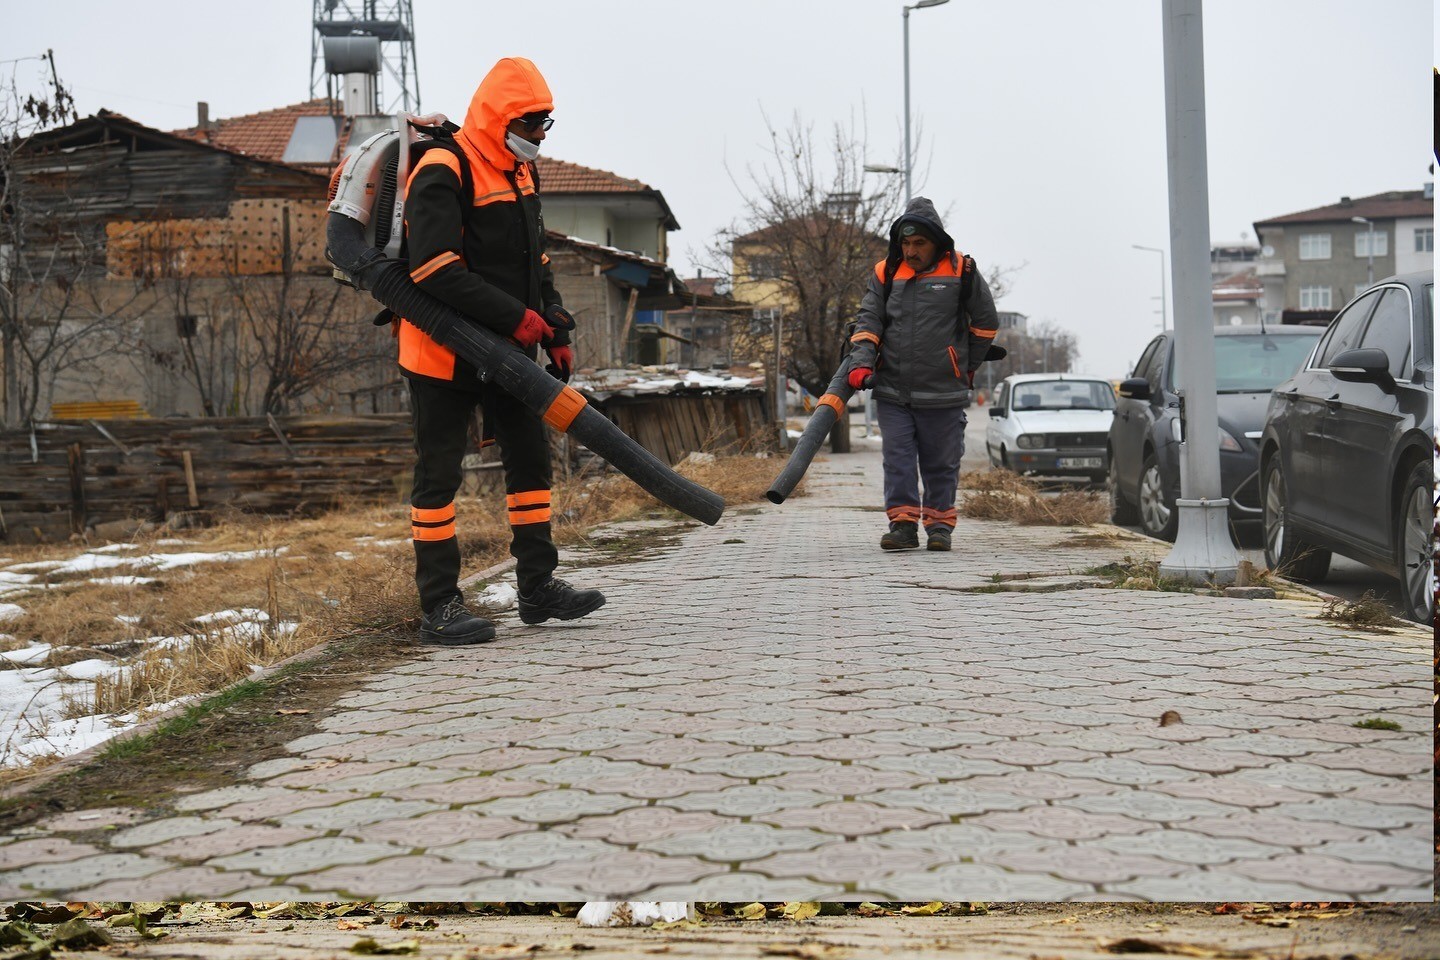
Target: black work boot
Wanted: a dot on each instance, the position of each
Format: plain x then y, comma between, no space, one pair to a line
938,539
556,598
451,625
901,536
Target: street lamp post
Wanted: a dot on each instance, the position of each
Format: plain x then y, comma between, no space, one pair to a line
905,12
1162,280
1369,248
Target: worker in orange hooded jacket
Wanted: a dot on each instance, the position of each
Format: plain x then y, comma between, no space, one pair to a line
475,240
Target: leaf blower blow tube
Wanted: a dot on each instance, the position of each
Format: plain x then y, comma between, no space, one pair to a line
830,408
502,363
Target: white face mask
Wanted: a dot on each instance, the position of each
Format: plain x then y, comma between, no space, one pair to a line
521,147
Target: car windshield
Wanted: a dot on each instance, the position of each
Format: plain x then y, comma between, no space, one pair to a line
1063,395
1256,363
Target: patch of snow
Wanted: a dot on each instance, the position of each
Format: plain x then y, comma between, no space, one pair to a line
89,670
344,554
392,542
27,656
8,577
115,548
232,616
128,619
11,611
122,581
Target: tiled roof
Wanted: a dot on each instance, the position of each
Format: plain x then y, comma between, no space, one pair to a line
1245,285
1380,206
561,176
264,134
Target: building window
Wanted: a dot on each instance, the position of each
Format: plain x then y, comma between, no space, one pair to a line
764,267
1315,298
1362,243
1424,239
1315,246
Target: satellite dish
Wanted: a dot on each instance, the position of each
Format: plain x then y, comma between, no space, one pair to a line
1267,251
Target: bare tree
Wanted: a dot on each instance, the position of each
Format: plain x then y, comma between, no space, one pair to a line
1043,347
61,318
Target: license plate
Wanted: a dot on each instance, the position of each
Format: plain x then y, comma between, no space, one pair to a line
1079,463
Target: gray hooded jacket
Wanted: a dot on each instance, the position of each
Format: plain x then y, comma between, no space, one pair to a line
923,341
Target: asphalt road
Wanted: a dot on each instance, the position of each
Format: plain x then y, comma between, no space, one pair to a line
1348,579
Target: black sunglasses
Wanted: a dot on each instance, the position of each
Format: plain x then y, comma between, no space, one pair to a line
538,121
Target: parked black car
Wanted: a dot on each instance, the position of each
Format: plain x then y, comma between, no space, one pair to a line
1144,440
1346,455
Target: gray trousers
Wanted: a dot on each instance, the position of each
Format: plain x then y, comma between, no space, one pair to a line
921,445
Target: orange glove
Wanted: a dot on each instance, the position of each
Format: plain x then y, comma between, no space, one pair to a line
531,329
562,361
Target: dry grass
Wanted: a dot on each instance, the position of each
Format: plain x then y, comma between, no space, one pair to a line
1002,495
335,575
1366,613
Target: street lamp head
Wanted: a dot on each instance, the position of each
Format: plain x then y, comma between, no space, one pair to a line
929,3
1359,219
877,168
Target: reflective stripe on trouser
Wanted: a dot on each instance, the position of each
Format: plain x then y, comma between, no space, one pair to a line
921,445
442,418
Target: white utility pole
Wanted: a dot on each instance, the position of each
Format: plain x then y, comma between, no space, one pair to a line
905,13
1203,550
1369,248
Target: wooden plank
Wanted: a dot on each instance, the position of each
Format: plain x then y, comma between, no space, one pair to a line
190,479
77,488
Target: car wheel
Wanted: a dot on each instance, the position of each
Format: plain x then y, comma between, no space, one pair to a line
1158,516
1122,511
1415,560
1286,553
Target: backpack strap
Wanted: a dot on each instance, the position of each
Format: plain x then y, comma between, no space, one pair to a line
442,137
966,265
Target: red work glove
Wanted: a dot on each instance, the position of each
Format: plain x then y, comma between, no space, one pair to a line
562,361
860,377
531,329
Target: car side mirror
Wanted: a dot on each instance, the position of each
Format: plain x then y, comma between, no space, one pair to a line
997,411
1363,365
1136,388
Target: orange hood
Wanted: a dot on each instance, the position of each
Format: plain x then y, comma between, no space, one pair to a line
512,87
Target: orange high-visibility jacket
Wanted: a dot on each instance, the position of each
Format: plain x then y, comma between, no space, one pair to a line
484,254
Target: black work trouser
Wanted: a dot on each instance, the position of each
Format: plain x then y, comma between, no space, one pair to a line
442,417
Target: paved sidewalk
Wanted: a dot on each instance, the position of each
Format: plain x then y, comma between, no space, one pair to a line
772,709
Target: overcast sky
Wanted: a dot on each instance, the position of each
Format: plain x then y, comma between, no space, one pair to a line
1044,119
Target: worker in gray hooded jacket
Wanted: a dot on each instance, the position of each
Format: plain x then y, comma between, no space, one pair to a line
925,324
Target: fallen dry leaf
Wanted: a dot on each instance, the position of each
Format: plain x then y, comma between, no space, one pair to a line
291,713
1070,919
807,950
924,909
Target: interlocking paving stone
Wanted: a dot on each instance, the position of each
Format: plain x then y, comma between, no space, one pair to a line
661,784
1380,848
747,887
939,766
1184,846
307,856
245,836
1270,827
1375,759
669,750
852,819
280,801
553,806
497,890
58,878
847,781
439,829
642,824
976,881
1121,770
853,861
474,789
738,842
1205,886
1306,776
498,759
1062,823
576,770
1355,813
1144,804
537,848
1087,864
754,765
1201,759
95,818
957,841
25,853
621,875
1330,873
170,828
950,799
1233,791
357,813
748,800
184,883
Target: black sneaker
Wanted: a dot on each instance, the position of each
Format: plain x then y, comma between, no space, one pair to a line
938,539
900,536
451,625
556,598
